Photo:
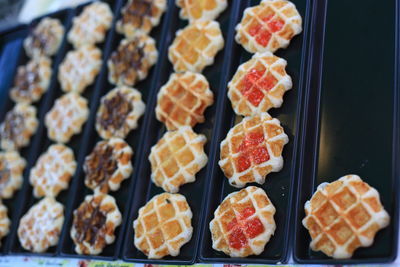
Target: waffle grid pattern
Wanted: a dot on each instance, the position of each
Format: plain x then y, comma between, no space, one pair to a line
201,10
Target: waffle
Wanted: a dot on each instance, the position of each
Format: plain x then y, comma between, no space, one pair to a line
79,68
253,149
53,171
94,224
32,80
201,10
66,117
259,84
164,225
140,16
132,60
119,112
45,39
108,165
12,167
91,26
19,125
268,26
4,221
176,158
40,227
195,46
343,216
243,223
183,100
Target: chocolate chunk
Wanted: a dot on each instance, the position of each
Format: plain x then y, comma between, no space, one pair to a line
136,11
116,111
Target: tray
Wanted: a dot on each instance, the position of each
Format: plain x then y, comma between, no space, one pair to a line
339,120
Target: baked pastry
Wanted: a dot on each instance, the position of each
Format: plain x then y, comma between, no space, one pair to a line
32,80
259,84
176,158
19,125
201,10
343,216
12,167
45,39
94,224
66,117
91,26
183,100
163,226
243,223
252,149
132,60
195,46
4,221
119,112
140,16
79,68
52,171
268,26
108,165
40,227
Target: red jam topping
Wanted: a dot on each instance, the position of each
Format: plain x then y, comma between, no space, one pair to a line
237,239
263,37
253,228
252,151
263,34
276,25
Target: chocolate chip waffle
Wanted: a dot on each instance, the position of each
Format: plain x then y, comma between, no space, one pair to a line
12,167
4,221
201,9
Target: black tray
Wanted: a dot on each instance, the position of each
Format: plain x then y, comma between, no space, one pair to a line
355,63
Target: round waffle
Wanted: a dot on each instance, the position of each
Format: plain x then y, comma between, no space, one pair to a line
79,68
18,126
4,221
176,158
343,216
40,227
119,112
132,60
268,26
140,16
201,10
108,165
243,223
12,166
259,84
183,100
32,80
53,171
164,225
66,117
94,224
91,25
253,149
45,39
195,46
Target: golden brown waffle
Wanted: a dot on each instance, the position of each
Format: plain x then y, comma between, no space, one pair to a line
108,165
12,167
53,171
243,223
79,68
40,227
45,39
176,158
66,117
164,225
183,100
268,26
140,16
195,46
18,127
91,26
343,216
201,9
119,112
4,221
259,84
252,149
32,80
94,224
132,60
